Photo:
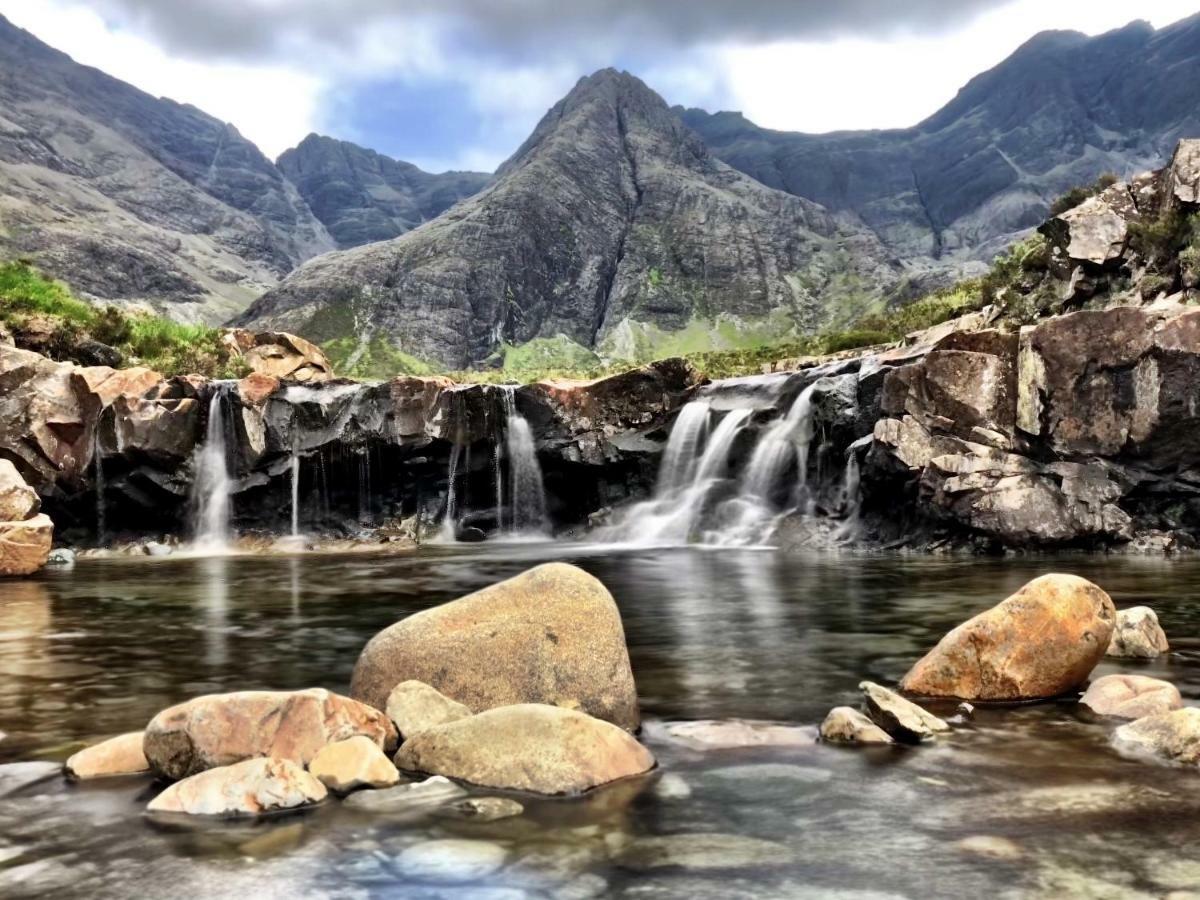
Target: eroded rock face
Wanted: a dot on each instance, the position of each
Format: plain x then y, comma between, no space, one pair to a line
846,725
121,755
1174,736
1098,228
222,729
1131,696
527,747
550,635
356,762
1138,635
1042,641
25,546
287,357
18,501
414,706
900,718
248,788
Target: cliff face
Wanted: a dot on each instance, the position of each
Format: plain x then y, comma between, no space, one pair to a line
362,196
611,223
1061,110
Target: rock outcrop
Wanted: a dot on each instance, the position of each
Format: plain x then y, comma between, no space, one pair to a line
527,747
249,788
222,729
277,354
550,635
1041,642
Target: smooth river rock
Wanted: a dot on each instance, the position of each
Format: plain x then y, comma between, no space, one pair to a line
221,729
121,755
248,788
1138,635
1131,696
451,860
18,501
846,725
1171,735
902,719
414,706
413,796
527,747
730,734
356,762
1042,641
550,635
25,546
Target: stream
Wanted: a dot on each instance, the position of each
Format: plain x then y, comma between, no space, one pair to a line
1049,808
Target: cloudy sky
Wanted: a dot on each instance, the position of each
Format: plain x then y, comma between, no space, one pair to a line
460,83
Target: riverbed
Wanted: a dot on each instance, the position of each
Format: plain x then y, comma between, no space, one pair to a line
1024,801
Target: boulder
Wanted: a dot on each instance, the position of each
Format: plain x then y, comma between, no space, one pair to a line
550,635
278,354
414,706
248,788
25,546
256,388
356,762
485,809
1183,174
527,747
18,501
846,725
1131,696
410,797
1137,634
221,729
900,718
1041,642
727,734
1174,736
117,756
451,860
1097,230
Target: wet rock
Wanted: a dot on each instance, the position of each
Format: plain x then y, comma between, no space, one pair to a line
1173,736
902,719
25,546
18,501
248,788
411,797
527,747
485,809
220,729
356,762
702,851
117,756
256,388
846,725
414,706
15,777
728,734
990,847
1131,696
1137,634
550,635
451,860
1042,641
61,557
672,787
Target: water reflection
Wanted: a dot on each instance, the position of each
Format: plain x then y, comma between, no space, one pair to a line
215,605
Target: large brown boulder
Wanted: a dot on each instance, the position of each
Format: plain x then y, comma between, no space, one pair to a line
221,729
527,747
18,501
1042,641
25,546
550,635
249,788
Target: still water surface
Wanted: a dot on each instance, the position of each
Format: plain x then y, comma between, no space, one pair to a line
99,649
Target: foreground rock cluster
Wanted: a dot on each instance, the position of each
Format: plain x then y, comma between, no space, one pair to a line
526,727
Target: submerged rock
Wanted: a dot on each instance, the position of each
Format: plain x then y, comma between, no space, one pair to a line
451,860
1131,696
729,734
990,846
121,755
1138,635
220,729
414,706
702,851
1174,736
25,546
485,809
356,762
527,747
410,797
1042,641
902,719
550,635
846,725
248,788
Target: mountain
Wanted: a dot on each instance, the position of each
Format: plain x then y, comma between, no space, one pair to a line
131,198
362,196
1059,111
612,227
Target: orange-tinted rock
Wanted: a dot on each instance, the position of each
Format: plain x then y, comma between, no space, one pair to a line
527,747
1042,641
353,763
550,635
18,501
25,546
222,729
248,788
1131,696
256,387
121,755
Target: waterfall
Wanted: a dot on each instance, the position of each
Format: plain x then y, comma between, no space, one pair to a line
295,493
851,497
98,463
212,487
449,521
525,479
789,438
680,458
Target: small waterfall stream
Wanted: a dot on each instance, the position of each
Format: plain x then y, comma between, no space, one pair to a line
525,479
212,487
101,513
295,470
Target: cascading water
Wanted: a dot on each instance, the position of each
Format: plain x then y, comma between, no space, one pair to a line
525,479
98,463
450,520
851,497
295,493
212,488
